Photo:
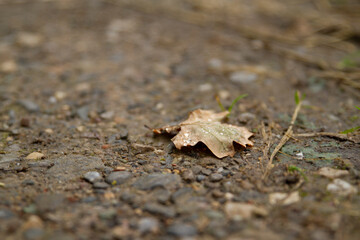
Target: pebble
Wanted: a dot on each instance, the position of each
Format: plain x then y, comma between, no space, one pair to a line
33,233
89,199
205,87
34,156
92,177
226,173
83,113
206,171
182,230
28,39
8,66
200,177
215,63
41,164
148,225
107,115
341,187
216,177
196,169
246,117
29,105
28,182
240,211
33,228
142,162
49,202
156,208
223,94
100,185
162,195
118,178
60,95
188,176
6,214
107,214
243,77
151,181
284,198
332,173
131,199
25,122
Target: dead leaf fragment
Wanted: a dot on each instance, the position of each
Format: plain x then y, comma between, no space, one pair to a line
205,126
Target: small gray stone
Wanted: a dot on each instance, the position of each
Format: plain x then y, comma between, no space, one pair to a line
83,113
206,171
215,177
29,105
6,214
49,202
162,195
107,115
129,198
155,208
200,177
246,117
41,164
10,157
100,185
70,167
33,233
118,178
182,230
92,177
188,176
151,181
182,196
196,169
89,199
243,77
148,225
28,182
107,214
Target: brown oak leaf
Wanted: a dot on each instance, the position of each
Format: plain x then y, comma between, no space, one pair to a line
206,126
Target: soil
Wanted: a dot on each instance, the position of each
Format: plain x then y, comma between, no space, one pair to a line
81,80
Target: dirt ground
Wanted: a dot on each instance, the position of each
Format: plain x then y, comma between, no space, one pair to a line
80,80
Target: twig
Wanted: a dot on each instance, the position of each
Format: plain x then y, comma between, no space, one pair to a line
326,134
283,140
267,139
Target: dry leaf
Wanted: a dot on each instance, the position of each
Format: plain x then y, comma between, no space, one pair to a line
205,126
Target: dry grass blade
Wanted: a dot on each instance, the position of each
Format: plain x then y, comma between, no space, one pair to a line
284,139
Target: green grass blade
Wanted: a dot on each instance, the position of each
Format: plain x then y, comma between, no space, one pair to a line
297,98
350,130
235,101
